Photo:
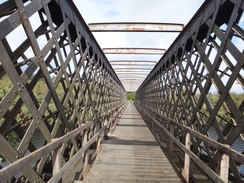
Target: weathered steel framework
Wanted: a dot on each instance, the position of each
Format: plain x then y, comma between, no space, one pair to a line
59,94
175,98
130,67
154,51
135,27
134,83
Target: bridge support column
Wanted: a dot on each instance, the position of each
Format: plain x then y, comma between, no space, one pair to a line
99,148
224,166
57,161
86,166
185,171
171,143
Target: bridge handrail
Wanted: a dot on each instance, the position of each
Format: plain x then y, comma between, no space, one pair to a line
217,145
199,84
9,171
224,149
57,79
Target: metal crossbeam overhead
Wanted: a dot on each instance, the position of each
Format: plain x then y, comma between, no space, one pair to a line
134,62
132,74
137,75
131,79
135,27
154,51
133,68
128,70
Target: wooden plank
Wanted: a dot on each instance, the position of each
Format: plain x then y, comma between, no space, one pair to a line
224,149
57,160
185,171
132,154
12,155
199,162
20,164
224,167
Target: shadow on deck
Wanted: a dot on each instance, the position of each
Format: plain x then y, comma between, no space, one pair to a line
132,154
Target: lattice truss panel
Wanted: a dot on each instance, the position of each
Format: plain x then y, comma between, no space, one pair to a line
204,64
54,78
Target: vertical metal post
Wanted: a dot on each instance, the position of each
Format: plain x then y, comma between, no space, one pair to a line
86,166
98,149
171,143
224,167
57,161
185,171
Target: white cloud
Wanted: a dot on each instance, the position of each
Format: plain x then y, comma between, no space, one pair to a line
159,11
162,11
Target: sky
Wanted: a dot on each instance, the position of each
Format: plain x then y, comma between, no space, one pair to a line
99,11
155,11
159,11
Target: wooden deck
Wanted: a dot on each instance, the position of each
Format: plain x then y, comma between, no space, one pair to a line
132,154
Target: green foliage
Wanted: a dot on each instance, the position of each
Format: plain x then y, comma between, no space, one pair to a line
222,113
1,159
237,98
5,86
130,96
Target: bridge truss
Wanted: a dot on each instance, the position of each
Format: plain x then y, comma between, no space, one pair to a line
175,98
57,88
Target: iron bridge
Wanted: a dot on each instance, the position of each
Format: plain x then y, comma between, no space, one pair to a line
58,88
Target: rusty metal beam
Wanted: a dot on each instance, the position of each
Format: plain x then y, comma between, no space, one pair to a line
131,79
137,75
135,27
131,74
133,62
132,70
154,51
